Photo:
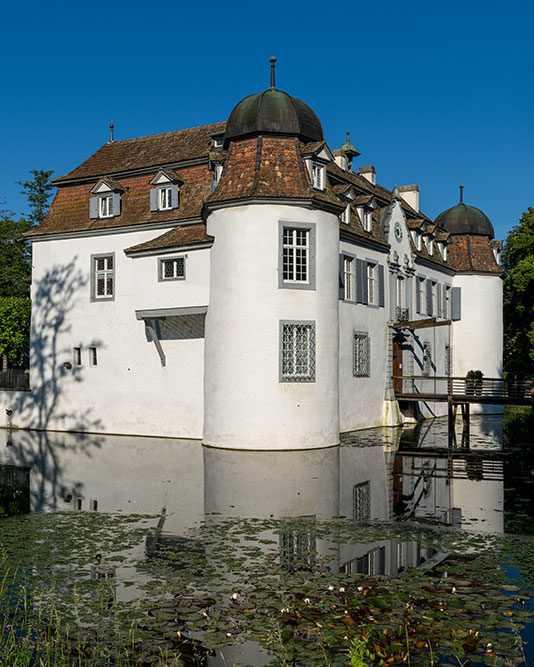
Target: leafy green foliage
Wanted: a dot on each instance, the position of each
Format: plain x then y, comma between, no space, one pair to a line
518,261
15,255
38,191
15,315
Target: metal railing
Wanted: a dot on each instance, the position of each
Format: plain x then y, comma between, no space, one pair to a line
15,378
461,386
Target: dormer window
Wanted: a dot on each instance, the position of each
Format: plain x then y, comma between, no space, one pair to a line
345,216
105,206
218,142
216,175
165,198
106,199
317,176
165,194
367,219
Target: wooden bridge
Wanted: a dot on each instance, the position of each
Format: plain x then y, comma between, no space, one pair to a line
461,391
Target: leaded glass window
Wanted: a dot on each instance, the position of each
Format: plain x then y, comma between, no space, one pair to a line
362,355
298,352
172,269
295,255
104,277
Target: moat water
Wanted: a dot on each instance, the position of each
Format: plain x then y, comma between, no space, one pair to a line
422,550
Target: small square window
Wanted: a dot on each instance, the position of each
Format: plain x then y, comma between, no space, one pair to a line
362,355
297,351
105,206
172,269
93,360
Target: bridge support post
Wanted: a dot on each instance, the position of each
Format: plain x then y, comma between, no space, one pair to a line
466,424
452,421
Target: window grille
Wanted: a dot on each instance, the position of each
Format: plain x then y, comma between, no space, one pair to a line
104,276
172,269
298,548
348,264
295,251
361,501
362,355
298,352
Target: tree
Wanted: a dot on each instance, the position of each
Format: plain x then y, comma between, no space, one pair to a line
15,256
15,315
38,190
518,262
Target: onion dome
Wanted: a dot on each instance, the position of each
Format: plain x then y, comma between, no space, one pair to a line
463,219
273,112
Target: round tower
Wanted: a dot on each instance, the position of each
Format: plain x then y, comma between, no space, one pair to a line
271,346
477,337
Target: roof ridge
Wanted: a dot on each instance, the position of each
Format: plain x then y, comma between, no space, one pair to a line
160,134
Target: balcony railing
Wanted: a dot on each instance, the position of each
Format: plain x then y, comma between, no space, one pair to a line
15,378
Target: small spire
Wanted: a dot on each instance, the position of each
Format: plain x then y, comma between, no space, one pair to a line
395,193
272,60
111,126
461,194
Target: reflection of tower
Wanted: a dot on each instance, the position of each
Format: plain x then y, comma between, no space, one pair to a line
475,346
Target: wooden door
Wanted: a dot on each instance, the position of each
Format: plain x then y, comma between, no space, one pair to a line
397,366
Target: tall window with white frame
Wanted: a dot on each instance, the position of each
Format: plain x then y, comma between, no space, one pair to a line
420,294
297,352
362,355
371,280
348,275
296,255
103,277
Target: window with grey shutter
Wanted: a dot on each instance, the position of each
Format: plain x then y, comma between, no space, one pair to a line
438,298
444,309
175,195
429,308
116,199
93,207
154,199
381,300
456,308
409,295
361,281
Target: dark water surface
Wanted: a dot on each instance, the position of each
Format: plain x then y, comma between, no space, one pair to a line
235,557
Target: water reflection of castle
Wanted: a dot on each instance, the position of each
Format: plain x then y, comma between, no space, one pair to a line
379,474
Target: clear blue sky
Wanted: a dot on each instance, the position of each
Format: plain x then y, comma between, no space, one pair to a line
436,94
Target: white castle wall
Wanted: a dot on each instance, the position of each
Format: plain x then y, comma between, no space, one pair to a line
478,337
128,391
246,405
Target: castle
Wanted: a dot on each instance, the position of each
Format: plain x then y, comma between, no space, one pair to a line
242,284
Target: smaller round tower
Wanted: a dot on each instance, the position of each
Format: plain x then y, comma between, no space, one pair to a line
477,337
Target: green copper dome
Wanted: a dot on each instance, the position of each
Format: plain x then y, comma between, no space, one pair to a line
273,112
463,219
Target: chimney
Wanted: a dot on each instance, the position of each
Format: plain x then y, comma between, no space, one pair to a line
368,173
410,194
340,159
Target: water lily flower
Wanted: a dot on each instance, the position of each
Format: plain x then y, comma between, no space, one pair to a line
360,589
341,590
233,596
330,588
228,634
307,601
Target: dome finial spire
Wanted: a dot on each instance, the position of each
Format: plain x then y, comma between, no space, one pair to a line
272,60
461,194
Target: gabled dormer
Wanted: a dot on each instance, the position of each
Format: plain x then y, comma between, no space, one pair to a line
316,156
417,228
365,205
106,199
429,235
165,192
216,165
346,194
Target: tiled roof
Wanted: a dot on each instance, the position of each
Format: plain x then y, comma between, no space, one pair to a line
312,147
179,237
152,150
70,209
267,168
473,253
